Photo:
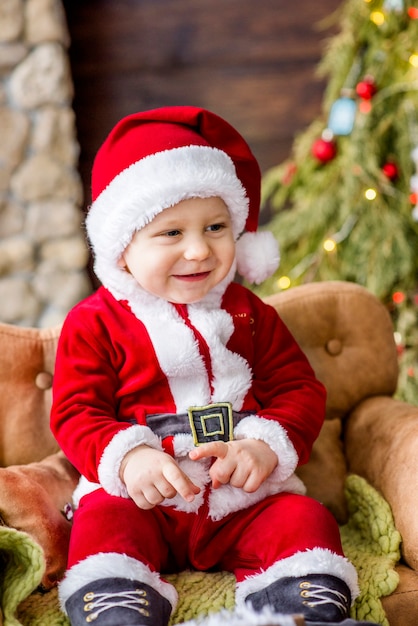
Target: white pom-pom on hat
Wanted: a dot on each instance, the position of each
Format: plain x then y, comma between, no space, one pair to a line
257,255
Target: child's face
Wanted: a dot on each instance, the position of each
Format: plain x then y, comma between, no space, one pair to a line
184,252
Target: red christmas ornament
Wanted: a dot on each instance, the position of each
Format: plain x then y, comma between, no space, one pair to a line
390,169
366,88
324,149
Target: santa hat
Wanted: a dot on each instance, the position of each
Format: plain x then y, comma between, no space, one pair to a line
152,160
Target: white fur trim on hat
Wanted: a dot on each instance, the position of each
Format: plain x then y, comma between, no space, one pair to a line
147,187
257,256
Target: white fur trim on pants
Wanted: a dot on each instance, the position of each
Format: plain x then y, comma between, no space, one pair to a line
244,616
316,561
112,565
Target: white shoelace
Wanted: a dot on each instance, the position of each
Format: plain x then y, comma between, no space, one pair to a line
316,597
99,602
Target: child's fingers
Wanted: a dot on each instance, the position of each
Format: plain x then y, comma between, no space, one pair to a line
180,481
218,449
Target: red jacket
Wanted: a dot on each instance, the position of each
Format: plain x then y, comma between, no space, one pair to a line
118,362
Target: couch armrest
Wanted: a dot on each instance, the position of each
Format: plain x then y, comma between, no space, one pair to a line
381,441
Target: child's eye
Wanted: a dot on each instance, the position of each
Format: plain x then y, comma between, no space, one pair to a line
214,228
171,233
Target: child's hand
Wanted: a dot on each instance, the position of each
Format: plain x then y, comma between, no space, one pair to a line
151,476
244,463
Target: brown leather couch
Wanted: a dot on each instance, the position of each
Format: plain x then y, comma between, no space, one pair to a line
348,337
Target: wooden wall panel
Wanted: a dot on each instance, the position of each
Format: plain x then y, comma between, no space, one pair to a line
251,61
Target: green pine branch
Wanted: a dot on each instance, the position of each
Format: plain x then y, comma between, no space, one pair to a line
312,202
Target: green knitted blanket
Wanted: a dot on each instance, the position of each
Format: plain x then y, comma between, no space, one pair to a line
370,541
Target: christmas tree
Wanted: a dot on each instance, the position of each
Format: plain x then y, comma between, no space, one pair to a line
344,206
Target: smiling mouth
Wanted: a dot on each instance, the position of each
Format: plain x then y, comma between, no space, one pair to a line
192,277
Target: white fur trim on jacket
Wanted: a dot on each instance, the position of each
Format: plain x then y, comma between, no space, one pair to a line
83,488
178,353
198,472
232,375
109,565
119,446
272,433
227,499
316,561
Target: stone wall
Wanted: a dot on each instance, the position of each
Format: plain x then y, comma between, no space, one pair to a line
43,253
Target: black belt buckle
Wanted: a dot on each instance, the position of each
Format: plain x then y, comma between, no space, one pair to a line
211,423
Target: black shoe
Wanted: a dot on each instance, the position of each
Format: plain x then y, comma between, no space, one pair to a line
118,602
322,599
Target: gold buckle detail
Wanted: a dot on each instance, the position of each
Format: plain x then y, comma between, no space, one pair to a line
213,422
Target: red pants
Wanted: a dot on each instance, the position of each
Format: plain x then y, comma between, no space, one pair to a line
170,541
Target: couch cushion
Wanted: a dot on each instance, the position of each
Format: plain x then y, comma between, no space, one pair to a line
26,369
347,335
401,606
381,445
325,473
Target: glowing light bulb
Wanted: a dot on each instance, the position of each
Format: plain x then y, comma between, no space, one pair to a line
370,194
365,106
413,59
377,17
398,297
398,338
284,282
329,245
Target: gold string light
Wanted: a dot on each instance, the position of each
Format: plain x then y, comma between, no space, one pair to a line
370,194
329,245
377,17
413,59
283,282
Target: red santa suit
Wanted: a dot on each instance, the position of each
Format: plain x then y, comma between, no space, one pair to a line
126,374
135,369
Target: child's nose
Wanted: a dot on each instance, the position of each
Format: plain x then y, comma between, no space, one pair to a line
196,249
